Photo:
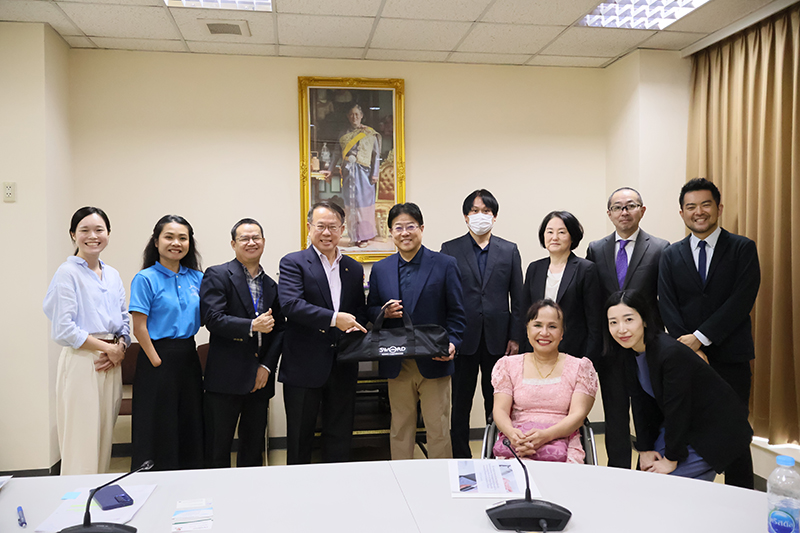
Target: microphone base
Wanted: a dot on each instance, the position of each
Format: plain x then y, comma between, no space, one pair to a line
525,515
100,527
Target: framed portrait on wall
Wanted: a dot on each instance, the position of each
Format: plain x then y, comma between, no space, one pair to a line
352,153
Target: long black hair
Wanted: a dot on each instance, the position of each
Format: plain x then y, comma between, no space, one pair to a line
634,300
150,254
82,213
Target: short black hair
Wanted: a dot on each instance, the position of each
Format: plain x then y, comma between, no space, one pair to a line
608,206
327,204
245,221
409,208
635,300
573,227
488,199
533,311
82,213
700,184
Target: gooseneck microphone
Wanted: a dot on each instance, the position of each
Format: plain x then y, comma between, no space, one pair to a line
105,527
528,514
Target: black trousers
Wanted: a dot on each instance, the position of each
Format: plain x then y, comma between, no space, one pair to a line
222,412
616,408
739,377
465,380
167,421
337,401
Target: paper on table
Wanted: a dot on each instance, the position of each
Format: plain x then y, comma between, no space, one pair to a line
488,478
4,480
193,515
70,512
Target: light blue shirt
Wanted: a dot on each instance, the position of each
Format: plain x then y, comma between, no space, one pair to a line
171,301
78,303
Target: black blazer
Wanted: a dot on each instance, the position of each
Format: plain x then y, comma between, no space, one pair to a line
310,344
692,401
642,273
720,309
486,301
436,298
226,310
579,298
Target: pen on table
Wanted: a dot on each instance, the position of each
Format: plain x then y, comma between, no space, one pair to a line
21,518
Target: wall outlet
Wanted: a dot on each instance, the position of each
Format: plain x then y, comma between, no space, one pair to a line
9,191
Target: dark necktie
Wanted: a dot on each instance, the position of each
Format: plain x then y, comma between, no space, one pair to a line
701,261
622,262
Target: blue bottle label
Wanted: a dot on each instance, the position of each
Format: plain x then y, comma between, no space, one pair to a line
783,521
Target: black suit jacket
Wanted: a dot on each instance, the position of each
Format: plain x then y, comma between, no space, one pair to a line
226,309
692,401
579,298
642,273
486,300
720,309
310,344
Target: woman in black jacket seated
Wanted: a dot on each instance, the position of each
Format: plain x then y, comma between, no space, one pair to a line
688,421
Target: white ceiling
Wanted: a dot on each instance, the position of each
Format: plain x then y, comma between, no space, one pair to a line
512,32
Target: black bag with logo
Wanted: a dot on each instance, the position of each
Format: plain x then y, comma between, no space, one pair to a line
427,340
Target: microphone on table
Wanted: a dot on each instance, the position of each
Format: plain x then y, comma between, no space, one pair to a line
528,514
105,527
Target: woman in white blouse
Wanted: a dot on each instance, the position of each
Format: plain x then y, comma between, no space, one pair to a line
86,305
570,281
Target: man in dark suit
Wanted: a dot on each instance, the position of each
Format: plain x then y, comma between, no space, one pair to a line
491,274
322,295
427,286
626,259
239,307
707,285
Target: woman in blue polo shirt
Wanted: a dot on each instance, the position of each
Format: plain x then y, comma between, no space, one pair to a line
167,424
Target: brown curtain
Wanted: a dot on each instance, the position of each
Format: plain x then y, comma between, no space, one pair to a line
744,134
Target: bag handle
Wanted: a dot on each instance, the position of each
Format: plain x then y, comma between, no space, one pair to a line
408,327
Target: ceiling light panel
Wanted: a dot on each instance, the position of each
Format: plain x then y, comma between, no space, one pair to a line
242,5
639,14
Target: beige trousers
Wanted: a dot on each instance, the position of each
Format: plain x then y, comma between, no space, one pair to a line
87,405
434,397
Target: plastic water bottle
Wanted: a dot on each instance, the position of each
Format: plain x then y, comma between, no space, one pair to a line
783,497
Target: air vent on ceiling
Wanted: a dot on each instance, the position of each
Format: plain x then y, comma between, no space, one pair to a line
227,27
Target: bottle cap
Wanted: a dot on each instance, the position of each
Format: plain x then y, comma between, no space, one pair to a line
784,460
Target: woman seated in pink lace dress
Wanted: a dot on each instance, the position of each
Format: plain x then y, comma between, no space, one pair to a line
541,398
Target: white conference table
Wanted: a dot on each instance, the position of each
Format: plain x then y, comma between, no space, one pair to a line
405,496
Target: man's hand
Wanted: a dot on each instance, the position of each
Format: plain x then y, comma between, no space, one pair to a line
646,459
451,354
347,323
262,375
662,466
702,355
393,309
512,348
264,322
691,341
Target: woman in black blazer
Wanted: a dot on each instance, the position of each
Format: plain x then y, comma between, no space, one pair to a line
689,421
571,282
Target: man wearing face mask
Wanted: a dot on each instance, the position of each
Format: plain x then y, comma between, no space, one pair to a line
491,271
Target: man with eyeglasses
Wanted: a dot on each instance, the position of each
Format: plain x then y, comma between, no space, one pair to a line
322,295
427,286
239,306
627,259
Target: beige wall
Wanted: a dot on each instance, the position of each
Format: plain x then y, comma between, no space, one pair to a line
215,138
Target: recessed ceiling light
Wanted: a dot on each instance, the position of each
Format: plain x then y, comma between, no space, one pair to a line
639,14
243,5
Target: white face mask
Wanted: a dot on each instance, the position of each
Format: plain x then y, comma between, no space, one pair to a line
480,223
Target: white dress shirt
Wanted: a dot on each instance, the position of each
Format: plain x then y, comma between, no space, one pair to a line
334,280
711,244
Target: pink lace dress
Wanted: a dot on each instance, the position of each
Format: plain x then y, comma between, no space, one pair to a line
545,401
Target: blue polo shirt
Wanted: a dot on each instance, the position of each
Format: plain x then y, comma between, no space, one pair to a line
171,301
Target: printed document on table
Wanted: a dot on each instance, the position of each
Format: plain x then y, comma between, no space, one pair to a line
4,480
488,478
70,512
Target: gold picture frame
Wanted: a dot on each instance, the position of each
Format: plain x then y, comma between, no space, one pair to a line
361,158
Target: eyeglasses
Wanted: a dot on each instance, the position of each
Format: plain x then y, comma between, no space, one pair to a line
627,207
411,228
245,239
333,228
